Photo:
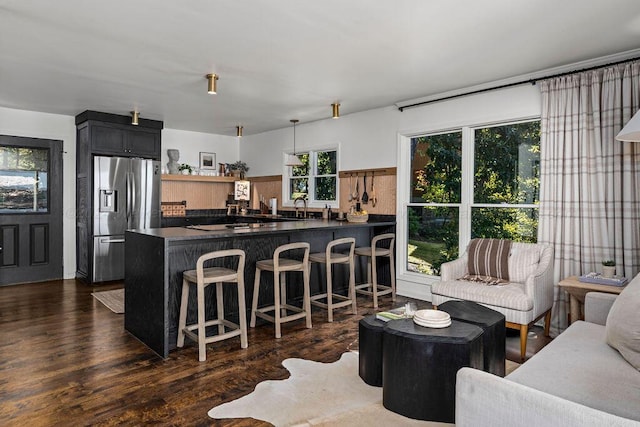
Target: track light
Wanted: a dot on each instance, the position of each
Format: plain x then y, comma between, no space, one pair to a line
134,118
239,131
213,83
336,110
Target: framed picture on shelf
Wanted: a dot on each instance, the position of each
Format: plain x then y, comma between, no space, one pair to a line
208,160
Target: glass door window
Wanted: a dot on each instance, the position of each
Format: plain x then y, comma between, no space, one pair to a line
24,174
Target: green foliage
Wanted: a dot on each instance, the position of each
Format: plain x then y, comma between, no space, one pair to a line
609,263
506,171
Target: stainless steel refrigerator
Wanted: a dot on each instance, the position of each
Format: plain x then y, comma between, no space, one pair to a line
126,195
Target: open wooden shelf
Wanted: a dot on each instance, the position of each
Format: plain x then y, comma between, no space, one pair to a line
198,178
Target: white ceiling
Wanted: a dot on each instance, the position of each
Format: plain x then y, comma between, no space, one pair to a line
284,59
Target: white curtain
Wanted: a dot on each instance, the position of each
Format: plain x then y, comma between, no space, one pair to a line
589,182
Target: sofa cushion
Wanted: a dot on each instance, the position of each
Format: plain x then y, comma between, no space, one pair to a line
579,366
523,261
488,261
623,323
509,295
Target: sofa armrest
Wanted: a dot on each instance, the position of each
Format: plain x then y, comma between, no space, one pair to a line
455,269
483,399
597,306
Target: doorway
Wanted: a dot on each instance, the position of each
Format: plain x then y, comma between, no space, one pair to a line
30,210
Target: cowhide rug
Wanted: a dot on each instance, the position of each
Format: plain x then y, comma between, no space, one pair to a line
317,394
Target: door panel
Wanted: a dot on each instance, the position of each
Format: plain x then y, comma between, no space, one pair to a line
30,210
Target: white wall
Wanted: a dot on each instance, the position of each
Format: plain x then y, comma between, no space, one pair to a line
52,126
370,140
191,144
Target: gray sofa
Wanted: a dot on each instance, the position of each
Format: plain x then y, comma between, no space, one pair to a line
579,379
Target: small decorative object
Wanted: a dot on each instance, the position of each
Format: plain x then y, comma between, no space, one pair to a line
608,268
207,161
358,216
239,168
172,165
185,169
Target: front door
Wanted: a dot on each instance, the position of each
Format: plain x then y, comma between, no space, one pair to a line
30,210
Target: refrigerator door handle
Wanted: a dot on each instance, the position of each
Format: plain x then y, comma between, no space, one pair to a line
129,193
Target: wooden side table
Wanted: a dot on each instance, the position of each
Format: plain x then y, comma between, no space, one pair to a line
577,291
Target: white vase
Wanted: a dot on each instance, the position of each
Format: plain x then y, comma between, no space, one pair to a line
608,271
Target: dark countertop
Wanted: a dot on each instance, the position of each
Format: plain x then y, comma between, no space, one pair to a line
195,232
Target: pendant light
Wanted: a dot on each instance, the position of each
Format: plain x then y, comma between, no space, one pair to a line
135,115
336,110
293,159
239,131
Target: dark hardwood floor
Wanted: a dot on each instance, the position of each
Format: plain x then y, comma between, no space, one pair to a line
65,359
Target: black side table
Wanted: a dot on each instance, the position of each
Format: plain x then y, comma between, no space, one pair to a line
493,325
370,350
419,367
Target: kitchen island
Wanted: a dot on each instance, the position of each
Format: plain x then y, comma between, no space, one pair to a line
155,259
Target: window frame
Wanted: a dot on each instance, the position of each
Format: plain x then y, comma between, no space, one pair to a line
466,204
313,159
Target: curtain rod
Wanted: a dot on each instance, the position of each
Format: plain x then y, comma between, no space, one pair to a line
522,82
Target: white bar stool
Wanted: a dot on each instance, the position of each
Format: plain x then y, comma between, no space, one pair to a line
372,287
330,257
202,277
280,266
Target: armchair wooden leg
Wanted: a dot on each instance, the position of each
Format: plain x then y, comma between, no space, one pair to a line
524,331
547,323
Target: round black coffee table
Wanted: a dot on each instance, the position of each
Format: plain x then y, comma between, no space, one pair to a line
493,325
419,367
370,350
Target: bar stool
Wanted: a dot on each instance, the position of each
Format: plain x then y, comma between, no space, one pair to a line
279,266
372,287
330,257
202,277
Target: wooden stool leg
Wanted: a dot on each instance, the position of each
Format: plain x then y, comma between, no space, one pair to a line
242,312
276,303
220,303
352,286
256,294
202,348
182,322
283,293
306,298
392,270
329,292
374,283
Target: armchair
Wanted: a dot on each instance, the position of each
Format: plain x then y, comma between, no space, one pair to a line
524,299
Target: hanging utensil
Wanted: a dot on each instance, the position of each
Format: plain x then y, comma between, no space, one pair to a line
373,196
356,193
365,196
350,187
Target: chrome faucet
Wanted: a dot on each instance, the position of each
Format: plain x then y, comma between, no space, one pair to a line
304,203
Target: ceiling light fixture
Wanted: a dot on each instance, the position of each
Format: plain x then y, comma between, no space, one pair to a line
293,159
212,87
336,110
631,131
239,131
134,118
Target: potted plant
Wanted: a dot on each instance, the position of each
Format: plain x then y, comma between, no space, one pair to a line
608,268
185,169
239,168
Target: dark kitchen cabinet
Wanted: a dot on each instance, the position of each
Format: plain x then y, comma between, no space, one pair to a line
104,134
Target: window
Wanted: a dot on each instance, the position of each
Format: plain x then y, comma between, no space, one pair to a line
23,179
473,182
316,180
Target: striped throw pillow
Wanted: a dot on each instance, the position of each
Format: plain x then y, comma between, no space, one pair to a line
488,261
